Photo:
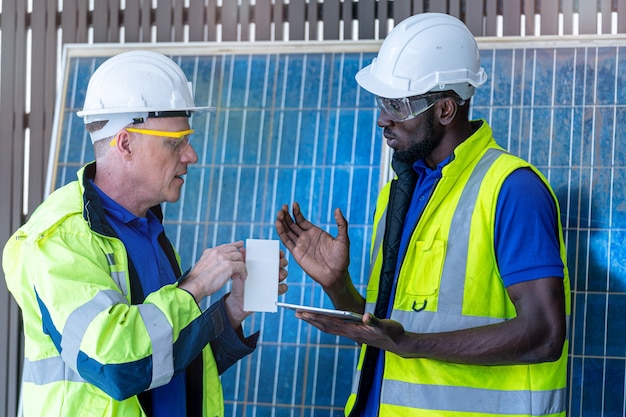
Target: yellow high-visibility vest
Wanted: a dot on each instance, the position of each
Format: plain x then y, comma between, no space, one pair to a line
455,234
68,324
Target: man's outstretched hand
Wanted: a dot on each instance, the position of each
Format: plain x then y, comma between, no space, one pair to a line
323,257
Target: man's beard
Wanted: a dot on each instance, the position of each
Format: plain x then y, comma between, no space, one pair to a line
420,150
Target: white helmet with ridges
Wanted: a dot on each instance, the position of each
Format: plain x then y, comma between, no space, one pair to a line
133,85
427,52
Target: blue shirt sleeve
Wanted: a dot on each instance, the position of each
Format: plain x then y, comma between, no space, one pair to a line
526,240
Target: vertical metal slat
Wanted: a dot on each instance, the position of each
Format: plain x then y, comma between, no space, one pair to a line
454,8
491,18
263,20
549,11
330,16
42,98
211,20
69,19
348,19
401,10
438,7
529,13
229,21
567,9
11,167
587,17
606,8
132,21
366,19
279,20
245,20
114,21
177,31
418,7
312,12
511,14
100,21
296,17
145,30
195,19
474,16
163,20
621,16
383,17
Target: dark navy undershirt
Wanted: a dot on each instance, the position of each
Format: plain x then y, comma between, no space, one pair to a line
526,240
140,237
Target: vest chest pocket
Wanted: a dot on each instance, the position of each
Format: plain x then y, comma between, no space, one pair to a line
420,275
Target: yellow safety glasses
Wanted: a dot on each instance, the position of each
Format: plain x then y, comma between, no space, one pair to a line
182,136
162,133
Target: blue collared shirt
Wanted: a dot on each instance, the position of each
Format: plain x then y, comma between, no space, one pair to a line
140,237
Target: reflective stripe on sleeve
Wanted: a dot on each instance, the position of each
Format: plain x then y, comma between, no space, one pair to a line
160,331
80,319
158,327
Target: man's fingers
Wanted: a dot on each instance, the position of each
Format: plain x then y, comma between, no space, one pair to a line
234,246
285,224
342,224
297,214
370,319
285,217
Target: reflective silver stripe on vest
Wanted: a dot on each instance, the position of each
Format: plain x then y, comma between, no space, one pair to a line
46,371
120,280
160,332
380,234
157,326
449,315
118,277
472,400
355,381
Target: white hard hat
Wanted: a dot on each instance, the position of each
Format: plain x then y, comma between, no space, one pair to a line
135,85
424,53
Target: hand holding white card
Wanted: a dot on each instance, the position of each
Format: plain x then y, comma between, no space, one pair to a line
261,285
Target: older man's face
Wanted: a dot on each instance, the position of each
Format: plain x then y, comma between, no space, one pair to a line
161,162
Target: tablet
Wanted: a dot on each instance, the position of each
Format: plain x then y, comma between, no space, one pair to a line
340,314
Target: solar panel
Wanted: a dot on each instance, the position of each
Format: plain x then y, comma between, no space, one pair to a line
291,125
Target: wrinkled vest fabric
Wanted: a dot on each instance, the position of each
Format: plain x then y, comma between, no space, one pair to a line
455,234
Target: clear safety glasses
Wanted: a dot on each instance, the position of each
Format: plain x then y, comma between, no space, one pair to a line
182,137
407,108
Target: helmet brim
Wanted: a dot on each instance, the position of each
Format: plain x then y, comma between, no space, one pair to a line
99,112
370,83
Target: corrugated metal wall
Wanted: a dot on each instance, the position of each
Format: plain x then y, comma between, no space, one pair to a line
32,37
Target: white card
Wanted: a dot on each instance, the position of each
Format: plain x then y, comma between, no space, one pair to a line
261,286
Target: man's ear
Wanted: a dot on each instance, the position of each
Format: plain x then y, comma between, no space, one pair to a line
122,143
447,110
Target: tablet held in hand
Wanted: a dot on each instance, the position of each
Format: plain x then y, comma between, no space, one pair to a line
340,314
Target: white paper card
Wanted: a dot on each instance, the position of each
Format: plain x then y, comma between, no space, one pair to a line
261,286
